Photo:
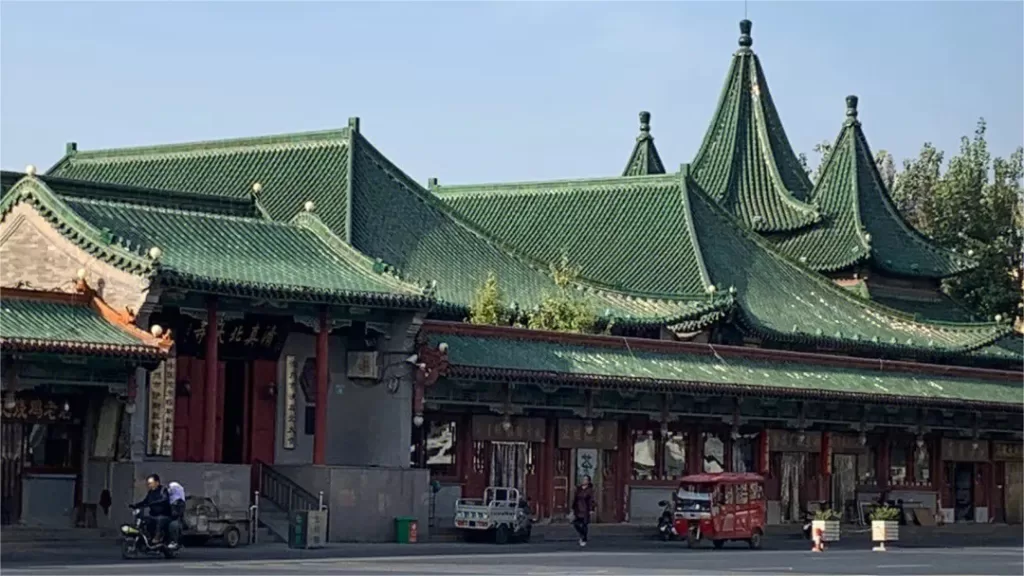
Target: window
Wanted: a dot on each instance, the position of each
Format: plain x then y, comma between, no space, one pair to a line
728,494
674,455
898,464
922,463
644,451
743,450
866,468
714,453
741,493
51,446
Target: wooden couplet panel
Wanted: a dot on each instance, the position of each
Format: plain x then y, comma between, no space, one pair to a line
574,434
790,441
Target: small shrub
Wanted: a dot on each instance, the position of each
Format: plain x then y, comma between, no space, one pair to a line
828,515
885,513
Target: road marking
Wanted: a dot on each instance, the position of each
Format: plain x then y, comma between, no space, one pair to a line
904,566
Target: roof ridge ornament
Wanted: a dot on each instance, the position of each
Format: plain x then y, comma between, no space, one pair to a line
745,40
645,125
851,109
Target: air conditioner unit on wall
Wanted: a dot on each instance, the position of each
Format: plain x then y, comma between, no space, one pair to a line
363,365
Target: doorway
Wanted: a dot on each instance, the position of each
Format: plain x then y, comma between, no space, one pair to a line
1014,492
963,492
792,475
509,461
233,438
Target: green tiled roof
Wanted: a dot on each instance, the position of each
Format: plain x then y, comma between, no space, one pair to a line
604,361
398,221
67,325
626,233
217,252
861,223
291,169
782,300
645,159
746,162
1008,348
941,309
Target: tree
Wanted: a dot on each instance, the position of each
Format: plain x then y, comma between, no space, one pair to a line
886,168
563,311
488,305
823,149
975,209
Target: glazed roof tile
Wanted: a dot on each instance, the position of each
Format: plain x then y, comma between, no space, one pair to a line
746,162
626,233
291,169
621,362
861,223
301,260
784,300
65,323
645,159
397,220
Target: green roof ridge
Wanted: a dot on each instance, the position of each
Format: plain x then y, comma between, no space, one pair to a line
143,196
645,158
203,147
846,235
99,243
388,274
746,122
446,191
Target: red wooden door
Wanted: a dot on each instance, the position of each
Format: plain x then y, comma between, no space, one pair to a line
608,510
476,472
561,488
263,413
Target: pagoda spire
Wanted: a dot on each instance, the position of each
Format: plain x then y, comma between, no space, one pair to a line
746,162
645,159
862,224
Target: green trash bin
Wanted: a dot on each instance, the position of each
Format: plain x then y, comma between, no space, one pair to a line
298,529
406,529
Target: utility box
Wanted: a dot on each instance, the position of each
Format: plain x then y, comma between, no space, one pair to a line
307,529
298,529
406,530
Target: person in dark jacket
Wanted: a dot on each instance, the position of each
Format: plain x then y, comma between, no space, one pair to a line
582,507
156,506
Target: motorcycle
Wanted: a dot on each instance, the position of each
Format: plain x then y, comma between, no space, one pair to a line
136,543
666,522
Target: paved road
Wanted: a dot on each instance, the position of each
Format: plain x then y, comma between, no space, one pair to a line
576,562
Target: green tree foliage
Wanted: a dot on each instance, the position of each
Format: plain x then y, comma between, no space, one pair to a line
974,208
564,310
488,305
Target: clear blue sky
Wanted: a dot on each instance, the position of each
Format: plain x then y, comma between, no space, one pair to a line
481,92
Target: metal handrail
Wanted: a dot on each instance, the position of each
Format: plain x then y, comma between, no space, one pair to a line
283,491
254,518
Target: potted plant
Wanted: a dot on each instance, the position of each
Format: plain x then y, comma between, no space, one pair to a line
885,526
827,521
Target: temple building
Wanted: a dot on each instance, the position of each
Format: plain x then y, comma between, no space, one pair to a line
302,303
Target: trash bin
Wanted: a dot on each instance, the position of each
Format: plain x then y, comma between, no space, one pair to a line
406,529
298,529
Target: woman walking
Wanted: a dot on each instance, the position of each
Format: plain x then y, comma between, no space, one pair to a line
582,506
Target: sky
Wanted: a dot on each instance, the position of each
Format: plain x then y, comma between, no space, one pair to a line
472,92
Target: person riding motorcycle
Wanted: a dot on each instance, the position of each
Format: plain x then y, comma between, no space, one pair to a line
156,506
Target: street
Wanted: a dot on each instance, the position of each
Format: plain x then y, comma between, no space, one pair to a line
567,559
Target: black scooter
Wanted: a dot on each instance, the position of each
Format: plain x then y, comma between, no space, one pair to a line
136,543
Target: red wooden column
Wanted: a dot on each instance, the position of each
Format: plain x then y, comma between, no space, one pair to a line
210,394
320,433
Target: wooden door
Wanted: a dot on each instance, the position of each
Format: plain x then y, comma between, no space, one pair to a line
263,411
477,472
1014,491
13,443
609,507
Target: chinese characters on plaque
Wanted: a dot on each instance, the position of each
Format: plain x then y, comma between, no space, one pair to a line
521,429
36,410
290,409
248,337
573,434
162,395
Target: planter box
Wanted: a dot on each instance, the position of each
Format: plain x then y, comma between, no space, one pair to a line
885,530
829,530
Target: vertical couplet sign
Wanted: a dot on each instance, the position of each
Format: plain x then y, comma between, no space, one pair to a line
826,453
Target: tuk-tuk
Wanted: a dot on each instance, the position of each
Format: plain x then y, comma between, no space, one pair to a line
720,507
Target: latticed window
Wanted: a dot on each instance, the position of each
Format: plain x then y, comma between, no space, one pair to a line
714,453
645,450
674,455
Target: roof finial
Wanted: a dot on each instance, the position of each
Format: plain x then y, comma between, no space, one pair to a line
745,40
851,107
645,121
